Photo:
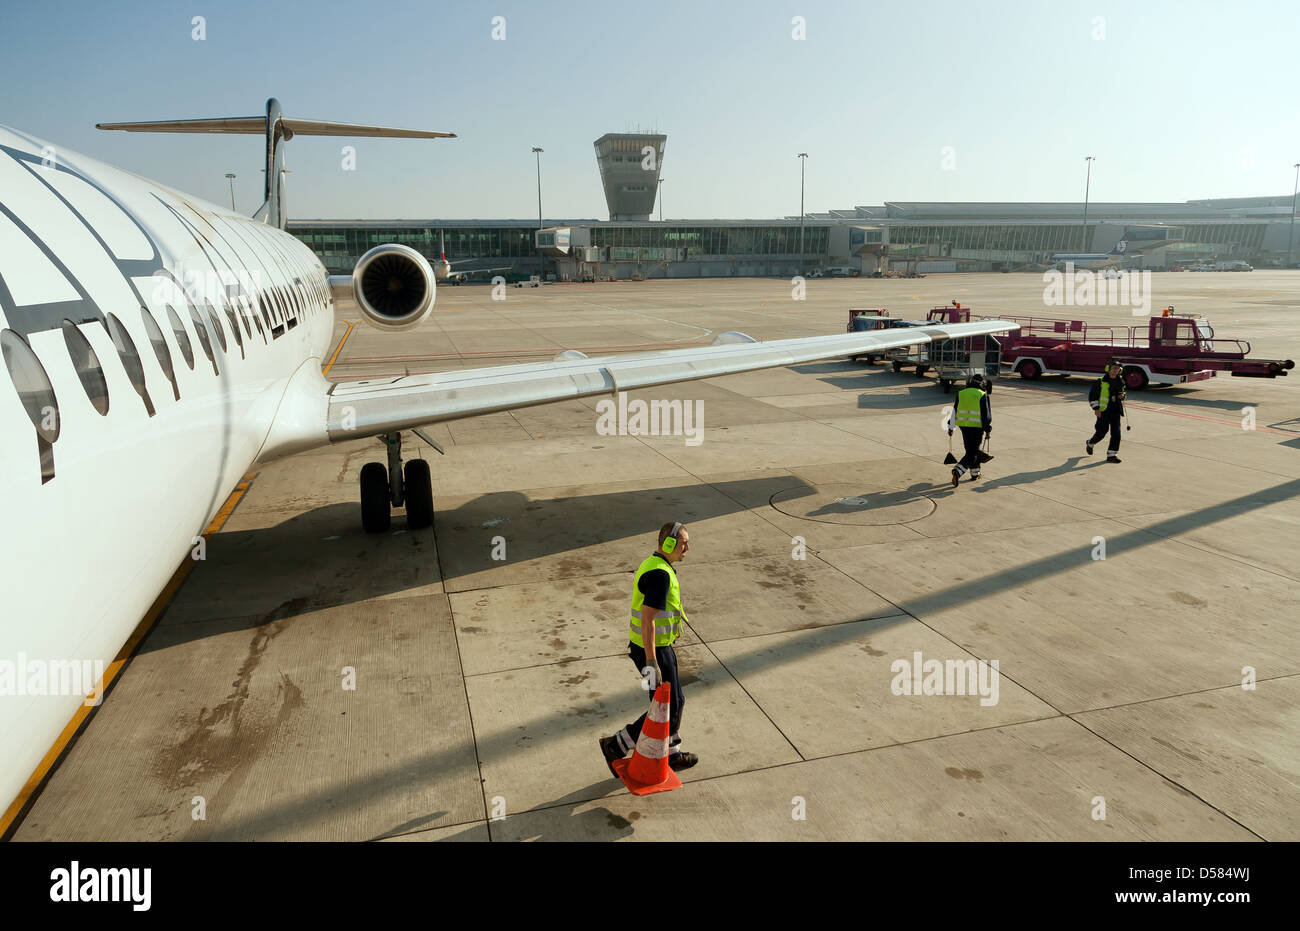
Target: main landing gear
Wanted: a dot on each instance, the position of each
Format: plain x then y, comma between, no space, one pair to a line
395,486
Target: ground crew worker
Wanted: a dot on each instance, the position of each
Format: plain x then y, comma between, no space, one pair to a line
975,418
656,608
1107,399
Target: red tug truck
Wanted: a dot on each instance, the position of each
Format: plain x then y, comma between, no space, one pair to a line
1170,350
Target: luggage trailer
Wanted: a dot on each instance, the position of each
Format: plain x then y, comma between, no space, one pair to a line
877,318
954,360
1168,350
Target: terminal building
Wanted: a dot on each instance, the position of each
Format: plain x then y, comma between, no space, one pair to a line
890,237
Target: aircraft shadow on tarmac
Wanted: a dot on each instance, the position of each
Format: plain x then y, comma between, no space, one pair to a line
322,558
800,645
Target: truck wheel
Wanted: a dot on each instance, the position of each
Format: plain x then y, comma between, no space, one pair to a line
1135,378
1030,370
921,370
898,366
945,384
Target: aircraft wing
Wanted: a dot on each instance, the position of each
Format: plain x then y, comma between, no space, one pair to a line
366,408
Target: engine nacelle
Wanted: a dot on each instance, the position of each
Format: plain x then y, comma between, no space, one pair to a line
394,287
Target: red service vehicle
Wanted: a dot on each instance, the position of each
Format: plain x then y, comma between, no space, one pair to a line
1168,350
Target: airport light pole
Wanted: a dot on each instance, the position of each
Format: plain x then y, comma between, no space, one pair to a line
1087,185
803,162
541,262
230,176
1290,236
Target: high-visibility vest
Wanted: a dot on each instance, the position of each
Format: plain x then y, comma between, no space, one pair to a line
968,407
1105,394
668,622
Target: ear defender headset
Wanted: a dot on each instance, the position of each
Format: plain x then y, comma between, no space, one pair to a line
670,541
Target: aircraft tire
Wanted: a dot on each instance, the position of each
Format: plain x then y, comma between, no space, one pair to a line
419,494
376,512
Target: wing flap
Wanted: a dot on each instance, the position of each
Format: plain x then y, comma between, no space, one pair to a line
366,408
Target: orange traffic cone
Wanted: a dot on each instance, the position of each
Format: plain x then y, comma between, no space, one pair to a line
648,771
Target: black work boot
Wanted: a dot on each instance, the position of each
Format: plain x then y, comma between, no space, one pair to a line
612,750
683,760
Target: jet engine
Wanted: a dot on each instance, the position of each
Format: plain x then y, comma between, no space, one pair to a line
394,287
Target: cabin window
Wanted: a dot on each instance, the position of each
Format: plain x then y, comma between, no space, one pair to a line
263,306
239,303
36,395
32,384
201,331
216,326
232,316
182,338
126,351
87,365
160,349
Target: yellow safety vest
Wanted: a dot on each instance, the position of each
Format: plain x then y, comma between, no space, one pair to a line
668,622
1105,394
968,407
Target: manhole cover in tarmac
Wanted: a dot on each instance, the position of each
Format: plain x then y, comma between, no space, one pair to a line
861,504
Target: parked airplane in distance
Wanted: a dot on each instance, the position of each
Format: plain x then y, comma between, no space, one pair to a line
442,268
1122,252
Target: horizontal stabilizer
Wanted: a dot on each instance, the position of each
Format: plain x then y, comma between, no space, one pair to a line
231,124
256,125
277,129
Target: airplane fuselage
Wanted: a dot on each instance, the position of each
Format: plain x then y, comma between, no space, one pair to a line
113,459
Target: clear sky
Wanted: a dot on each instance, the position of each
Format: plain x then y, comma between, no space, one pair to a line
940,100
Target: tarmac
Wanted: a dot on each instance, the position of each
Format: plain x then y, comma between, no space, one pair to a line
1153,694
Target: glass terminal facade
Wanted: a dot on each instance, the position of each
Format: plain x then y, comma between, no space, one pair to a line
969,237
339,245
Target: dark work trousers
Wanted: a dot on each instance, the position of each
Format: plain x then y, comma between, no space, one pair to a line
1109,420
668,673
971,437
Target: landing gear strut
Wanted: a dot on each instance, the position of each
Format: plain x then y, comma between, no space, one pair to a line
395,486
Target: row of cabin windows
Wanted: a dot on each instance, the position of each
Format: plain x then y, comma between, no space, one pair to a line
276,309
36,392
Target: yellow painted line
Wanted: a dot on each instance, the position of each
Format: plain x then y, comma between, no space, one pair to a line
119,662
334,358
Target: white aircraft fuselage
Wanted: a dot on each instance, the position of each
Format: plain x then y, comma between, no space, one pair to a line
97,521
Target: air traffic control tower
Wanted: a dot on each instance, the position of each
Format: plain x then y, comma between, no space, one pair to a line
629,169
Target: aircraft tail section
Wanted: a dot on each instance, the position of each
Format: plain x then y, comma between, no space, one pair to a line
278,130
